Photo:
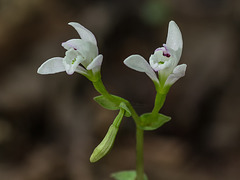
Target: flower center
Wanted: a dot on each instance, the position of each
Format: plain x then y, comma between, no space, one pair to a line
161,59
74,60
166,54
164,50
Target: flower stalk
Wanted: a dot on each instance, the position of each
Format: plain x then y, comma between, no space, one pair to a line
139,154
159,101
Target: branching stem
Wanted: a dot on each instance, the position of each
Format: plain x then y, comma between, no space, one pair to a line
99,86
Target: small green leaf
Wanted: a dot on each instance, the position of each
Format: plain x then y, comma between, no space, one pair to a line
127,111
113,103
151,121
126,175
107,103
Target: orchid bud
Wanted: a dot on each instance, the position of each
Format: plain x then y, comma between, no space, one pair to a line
105,146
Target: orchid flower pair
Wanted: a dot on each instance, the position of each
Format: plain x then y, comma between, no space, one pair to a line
81,55
164,60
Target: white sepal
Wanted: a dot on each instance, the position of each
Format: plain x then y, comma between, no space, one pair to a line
95,65
174,39
84,33
52,66
138,63
81,70
178,72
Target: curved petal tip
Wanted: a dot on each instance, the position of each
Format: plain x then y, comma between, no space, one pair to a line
83,32
174,38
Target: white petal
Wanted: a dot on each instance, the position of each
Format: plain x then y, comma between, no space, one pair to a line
174,39
81,46
76,44
81,70
88,50
178,72
96,63
84,33
138,63
52,66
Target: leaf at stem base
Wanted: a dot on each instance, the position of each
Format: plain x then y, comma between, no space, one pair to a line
126,175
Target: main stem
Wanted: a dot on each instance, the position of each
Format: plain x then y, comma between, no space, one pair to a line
139,153
99,86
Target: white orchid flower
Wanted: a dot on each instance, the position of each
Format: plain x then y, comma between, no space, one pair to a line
164,60
82,51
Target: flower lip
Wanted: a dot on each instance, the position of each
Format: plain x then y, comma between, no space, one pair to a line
164,50
72,59
69,45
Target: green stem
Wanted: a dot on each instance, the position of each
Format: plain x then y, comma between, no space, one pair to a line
99,86
134,114
159,101
139,151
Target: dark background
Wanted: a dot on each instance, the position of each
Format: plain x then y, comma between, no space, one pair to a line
49,125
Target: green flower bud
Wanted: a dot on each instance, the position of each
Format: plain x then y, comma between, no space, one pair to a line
105,146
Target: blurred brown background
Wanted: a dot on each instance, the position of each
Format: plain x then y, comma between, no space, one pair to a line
49,125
